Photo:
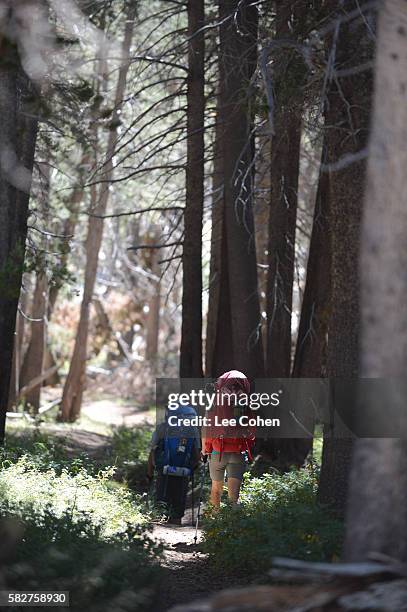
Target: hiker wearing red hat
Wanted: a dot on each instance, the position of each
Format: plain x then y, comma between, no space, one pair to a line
225,441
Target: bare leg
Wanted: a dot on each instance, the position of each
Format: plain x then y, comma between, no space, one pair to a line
216,492
234,489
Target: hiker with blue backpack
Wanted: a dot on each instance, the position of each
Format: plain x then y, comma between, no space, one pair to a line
174,455
229,448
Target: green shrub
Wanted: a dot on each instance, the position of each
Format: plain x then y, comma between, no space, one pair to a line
131,444
129,452
45,452
62,552
278,515
112,508
79,531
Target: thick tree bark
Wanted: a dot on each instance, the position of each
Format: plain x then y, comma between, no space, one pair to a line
191,332
17,145
74,385
346,128
287,82
18,350
219,331
223,347
288,78
310,354
377,511
239,319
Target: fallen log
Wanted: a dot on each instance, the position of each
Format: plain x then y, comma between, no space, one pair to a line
316,587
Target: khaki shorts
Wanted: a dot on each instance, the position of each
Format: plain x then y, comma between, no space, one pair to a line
233,463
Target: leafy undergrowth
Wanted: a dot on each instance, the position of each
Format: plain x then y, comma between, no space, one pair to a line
70,526
129,452
278,516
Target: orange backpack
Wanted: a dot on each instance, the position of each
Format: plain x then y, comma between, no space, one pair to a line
229,438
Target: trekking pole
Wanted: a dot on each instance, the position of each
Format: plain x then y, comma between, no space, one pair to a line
205,459
192,497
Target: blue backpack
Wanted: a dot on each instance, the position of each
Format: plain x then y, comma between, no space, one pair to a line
174,454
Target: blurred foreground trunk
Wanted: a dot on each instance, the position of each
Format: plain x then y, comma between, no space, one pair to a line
377,510
347,110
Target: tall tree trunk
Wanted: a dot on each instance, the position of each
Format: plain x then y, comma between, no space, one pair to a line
68,229
34,357
74,385
239,311
377,511
18,350
218,347
288,79
69,226
261,219
191,332
347,122
33,362
285,165
18,133
310,353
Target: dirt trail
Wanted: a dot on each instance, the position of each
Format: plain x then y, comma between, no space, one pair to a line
185,567
107,412
187,573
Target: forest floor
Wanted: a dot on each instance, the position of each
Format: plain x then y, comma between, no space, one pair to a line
91,434
187,572
101,416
